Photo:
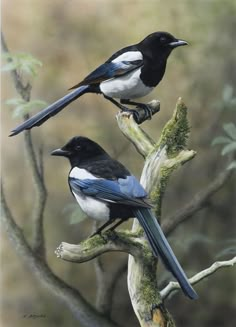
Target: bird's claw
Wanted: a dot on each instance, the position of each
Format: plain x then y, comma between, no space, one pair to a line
147,110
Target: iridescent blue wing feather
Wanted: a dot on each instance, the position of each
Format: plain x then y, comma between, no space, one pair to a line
126,191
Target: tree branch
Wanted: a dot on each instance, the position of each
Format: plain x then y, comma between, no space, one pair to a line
196,204
40,196
38,178
95,246
174,286
106,288
23,90
34,257
133,132
86,314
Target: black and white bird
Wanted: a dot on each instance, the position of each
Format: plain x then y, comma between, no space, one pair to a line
130,73
106,191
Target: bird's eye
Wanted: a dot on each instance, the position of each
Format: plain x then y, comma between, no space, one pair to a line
163,39
78,147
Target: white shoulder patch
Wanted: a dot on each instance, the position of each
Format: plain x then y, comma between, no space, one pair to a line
81,174
129,56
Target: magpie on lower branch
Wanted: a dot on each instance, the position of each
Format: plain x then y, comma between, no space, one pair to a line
107,191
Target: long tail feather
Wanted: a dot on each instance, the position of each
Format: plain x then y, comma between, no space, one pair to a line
50,111
161,247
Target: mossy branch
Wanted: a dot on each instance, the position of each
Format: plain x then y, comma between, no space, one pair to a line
161,159
168,154
109,241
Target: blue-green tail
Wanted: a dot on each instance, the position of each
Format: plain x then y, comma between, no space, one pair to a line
161,248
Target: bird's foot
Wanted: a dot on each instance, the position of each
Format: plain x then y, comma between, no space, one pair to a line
142,113
111,234
147,110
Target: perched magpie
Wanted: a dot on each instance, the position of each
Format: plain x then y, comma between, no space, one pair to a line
105,190
130,73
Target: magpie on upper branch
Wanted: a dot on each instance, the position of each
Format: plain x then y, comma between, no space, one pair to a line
130,73
105,190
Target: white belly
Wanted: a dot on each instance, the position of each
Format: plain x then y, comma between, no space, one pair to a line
125,87
93,208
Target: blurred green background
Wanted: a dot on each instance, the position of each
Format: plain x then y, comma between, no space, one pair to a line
72,37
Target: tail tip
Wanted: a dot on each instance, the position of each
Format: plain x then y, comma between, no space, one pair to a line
12,133
192,294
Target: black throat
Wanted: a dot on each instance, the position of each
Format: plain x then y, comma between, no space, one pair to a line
153,72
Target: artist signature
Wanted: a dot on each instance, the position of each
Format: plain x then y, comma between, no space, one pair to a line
34,316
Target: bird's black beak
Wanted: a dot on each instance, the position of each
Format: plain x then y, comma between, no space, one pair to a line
177,43
60,152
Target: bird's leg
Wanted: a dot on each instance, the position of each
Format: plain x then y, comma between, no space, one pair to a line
116,225
100,229
122,108
116,103
145,107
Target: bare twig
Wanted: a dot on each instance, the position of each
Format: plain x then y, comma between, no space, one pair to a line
106,282
106,288
196,204
174,286
80,308
23,90
40,189
40,197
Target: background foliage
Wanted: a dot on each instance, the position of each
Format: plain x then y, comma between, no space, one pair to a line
71,38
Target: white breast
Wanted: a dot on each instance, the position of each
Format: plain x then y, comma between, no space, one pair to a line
93,208
128,86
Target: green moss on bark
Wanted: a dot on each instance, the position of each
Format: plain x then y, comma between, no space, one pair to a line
175,133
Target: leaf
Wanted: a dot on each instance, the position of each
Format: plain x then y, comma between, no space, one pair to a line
232,165
22,107
230,129
28,107
233,103
22,61
76,215
15,102
229,148
9,66
227,93
227,101
221,140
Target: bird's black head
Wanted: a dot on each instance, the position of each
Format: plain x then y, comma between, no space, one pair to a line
80,150
159,45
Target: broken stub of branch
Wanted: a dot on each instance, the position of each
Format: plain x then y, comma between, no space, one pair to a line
161,159
110,241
